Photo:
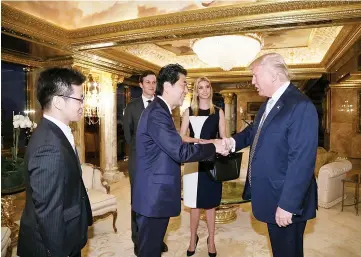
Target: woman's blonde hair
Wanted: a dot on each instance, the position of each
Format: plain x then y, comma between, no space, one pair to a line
195,99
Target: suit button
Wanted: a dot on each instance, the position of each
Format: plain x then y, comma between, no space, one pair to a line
83,197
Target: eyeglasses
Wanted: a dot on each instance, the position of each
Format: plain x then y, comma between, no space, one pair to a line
81,100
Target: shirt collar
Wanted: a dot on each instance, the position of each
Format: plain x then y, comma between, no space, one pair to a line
65,128
145,100
276,95
170,110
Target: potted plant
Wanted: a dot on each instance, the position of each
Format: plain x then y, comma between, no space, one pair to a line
12,170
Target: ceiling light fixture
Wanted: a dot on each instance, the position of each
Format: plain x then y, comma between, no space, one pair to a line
228,51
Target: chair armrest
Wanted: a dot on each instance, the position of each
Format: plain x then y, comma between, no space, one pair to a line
334,169
105,184
99,183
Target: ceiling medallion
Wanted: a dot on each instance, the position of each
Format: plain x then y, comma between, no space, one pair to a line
228,51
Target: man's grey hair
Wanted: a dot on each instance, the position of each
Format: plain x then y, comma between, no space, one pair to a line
275,63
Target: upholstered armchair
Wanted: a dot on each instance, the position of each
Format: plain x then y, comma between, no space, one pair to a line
329,182
102,202
5,242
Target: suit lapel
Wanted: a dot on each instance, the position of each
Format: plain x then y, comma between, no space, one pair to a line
140,104
163,105
277,107
65,142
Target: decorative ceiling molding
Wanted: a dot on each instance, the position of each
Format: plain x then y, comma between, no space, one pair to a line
221,20
339,52
126,60
321,41
326,17
34,62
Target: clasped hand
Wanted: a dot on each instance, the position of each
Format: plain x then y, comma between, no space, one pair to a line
223,146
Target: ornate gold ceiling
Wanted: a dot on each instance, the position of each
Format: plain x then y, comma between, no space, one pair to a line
312,35
80,14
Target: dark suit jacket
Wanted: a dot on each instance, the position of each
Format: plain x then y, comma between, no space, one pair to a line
57,209
284,159
160,152
131,118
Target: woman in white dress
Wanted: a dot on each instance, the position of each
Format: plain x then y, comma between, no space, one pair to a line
205,122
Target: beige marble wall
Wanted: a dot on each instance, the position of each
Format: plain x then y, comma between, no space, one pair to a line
243,97
344,136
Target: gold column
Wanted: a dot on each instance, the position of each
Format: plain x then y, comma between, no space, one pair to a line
108,126
78,127
176,118
32,75
241,113
233,115
227,111
127,94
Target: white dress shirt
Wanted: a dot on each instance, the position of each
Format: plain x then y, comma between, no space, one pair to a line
170,110
65,128
145,101
276,95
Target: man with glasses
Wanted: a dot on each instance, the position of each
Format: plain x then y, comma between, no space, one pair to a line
148,84
57,211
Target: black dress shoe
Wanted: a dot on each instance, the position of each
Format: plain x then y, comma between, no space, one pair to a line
211,254
164,248
190,253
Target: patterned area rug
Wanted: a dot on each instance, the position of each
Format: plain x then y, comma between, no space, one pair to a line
332,234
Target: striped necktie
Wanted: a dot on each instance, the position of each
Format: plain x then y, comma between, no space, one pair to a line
255,140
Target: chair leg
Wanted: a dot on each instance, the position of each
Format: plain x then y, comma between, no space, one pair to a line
115,215
357,195
343,194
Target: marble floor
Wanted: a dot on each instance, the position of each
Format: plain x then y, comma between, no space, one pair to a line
333,233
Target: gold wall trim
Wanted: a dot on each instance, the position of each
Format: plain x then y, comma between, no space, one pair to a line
7,57
345,40
353,80
128,61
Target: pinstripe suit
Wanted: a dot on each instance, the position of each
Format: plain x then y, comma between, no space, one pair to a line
57,211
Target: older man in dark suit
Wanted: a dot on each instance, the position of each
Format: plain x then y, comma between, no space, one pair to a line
57,210
283,140
160,152
148,83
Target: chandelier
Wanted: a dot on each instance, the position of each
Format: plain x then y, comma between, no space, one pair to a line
91,101
228,51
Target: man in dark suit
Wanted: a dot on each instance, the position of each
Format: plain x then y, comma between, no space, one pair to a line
283,140
57,210
160,152
148,83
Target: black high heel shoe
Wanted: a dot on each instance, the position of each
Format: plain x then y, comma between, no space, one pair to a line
190,253
211,254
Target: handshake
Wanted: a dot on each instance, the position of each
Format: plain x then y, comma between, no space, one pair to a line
223,146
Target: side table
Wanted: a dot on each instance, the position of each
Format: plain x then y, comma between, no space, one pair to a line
356,180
